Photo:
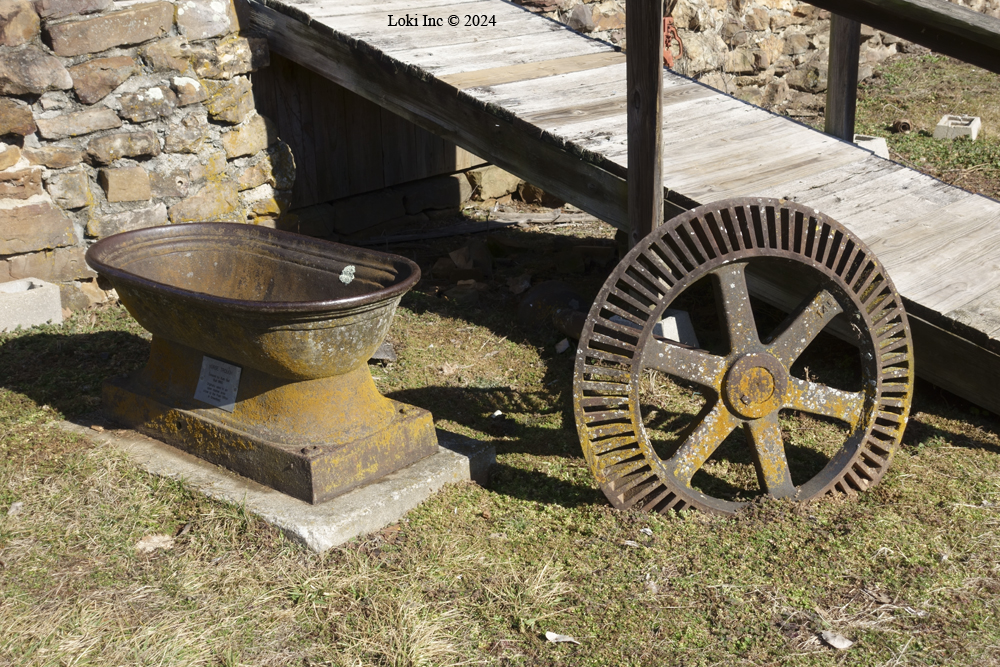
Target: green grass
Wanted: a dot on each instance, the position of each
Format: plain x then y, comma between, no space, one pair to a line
478,575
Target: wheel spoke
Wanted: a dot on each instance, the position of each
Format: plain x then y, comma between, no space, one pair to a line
769,456
705,439
695,366
734,306
819,399
804,325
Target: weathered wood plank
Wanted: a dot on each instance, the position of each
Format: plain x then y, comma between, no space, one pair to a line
535,70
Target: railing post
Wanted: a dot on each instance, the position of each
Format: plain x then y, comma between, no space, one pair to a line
842,77
644,82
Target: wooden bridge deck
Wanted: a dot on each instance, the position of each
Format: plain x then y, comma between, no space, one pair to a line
548,104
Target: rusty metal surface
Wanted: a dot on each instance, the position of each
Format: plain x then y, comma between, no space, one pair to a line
748,386
289,305
299,317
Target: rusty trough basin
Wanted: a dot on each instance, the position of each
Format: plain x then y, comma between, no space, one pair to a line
259,353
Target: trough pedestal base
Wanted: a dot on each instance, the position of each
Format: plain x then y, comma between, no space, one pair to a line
310,439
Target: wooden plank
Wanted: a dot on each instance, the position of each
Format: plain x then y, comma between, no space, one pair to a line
534,70
842,87
491,53
508,20
535,95
434,105
330,8
937,24
644,76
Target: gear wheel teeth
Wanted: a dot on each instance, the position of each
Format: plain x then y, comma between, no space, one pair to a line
751,383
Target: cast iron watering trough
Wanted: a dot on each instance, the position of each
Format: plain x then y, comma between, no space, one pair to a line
259,353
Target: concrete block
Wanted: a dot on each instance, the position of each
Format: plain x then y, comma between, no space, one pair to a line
953,127
317,527
876,145
29,302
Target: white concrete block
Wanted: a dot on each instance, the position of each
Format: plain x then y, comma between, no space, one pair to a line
675,325
876,145
953,127
29,302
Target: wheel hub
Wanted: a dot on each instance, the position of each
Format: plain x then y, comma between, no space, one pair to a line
755,385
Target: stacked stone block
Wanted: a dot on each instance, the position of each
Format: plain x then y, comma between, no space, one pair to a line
121,115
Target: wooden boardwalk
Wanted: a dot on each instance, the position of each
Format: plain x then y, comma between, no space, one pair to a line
548,104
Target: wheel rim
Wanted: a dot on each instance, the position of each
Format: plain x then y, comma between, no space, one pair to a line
752,383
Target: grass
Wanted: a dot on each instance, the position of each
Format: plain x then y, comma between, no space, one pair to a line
922,89
910,571
478,575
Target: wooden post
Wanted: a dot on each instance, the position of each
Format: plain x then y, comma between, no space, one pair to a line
644,79
842,77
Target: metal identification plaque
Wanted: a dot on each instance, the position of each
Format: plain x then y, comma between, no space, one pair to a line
218,384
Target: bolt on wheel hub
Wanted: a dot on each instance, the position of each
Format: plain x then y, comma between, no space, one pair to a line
755,385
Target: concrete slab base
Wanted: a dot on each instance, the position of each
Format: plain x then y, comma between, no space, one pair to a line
318,527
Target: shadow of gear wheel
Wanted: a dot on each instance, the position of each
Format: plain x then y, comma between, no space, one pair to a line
747,387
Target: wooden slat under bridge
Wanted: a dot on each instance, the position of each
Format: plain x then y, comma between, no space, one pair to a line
548,104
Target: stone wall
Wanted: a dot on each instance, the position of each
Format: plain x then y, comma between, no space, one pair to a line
118,115
772,53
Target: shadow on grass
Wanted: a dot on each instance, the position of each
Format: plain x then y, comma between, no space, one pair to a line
65,371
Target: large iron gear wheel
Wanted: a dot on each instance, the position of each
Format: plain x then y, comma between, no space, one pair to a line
748,386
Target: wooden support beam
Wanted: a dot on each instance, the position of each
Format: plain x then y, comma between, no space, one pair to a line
644,82
939,25
842,86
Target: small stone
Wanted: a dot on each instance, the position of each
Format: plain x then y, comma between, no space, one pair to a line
57,265
32,71
135,25
115,223
230,101
836,640
811,78
54,157
532,194
174,177
148,104
75,124
283,166
266,210
21,184
229,57
757,19
739,61
167,54
256,135
187,137
491,182
218,202
57,9
125,184
796,43
256,174
94,79
16,118
9,155
55,100
201,19
107,149
188,90
561,347
34,227
608,16
581,18
70,189
18,22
